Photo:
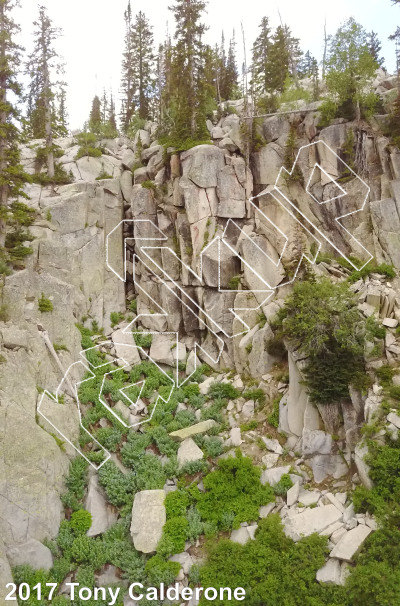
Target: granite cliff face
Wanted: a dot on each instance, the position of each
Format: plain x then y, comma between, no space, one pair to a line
190,197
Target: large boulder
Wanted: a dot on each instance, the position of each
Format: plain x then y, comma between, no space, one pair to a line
202,164
267,164
310,521
350,543
102,515
31,552
188,451
148,519
193,430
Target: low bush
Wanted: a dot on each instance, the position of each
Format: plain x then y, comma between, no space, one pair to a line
233,488
81,521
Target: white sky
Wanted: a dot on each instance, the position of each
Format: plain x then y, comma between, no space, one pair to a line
92,43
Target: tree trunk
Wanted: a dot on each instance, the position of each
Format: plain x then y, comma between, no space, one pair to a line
3,141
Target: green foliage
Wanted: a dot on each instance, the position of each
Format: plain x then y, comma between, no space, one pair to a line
249,426
150,473
321,319
159,571
234,488
86,550
273,418
176,503
143,340
258,395
350,66
174,536
116,317
118,487
195,525
234,282
291,149
385,375
44,304
81,521
76,483
223,390
281,487
149,185
109,437
384,269
133,306
271,567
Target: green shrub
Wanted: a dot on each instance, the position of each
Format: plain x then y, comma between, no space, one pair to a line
234,487
143,340
273,418
86,550
213,447
133,306
174,536
283,485
322,320
223,390
76,483
273,569
176,504
81,521
109,437
159,571
118,486
195,525
150,473
45,304
149,185
385,375
116,317
258,395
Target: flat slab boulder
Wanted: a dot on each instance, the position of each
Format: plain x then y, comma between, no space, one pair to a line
193,430
31,552
102,515
272,476
350,543
188,451
148,519
330,573
310,521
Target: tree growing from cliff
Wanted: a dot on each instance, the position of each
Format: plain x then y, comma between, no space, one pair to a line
12,176
227,71
375,47
349,67
42,66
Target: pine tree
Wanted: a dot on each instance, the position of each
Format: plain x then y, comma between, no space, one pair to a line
62,115
40,67
143,64
112,120
261,77
278,61
229,89
187,110
127,81
12,176
375,47
95,117
396,38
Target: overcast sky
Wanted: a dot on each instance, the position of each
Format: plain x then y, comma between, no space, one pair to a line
92,43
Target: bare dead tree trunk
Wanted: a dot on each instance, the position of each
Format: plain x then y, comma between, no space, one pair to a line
3,142
325,51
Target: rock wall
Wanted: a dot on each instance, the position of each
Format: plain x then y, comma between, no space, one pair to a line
192,197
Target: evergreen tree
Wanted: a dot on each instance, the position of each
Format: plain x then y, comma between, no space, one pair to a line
104,108
396,38
95,117
143,65
62,115
12,176
375,48
350,66
112,120
40,67
187,110
278,60
127,81
261,76
229,85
